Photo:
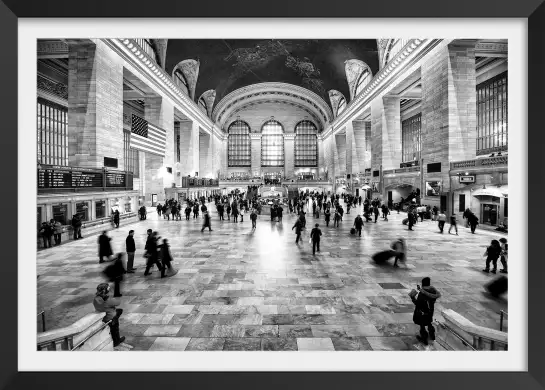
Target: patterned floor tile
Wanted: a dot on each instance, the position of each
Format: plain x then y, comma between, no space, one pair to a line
236,284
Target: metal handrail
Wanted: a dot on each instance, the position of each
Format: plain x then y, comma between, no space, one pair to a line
42,313
100,329
445,326
502,314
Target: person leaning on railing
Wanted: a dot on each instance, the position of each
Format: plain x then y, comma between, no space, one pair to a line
103,303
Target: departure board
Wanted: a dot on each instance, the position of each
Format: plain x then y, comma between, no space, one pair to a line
114,179
51,177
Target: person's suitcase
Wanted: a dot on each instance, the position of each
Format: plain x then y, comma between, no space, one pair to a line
383,256
405,221
498,286
352,231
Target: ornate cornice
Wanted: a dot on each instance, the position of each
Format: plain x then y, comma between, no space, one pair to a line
51,87
316,120
289,136
411,53
276,91
129,51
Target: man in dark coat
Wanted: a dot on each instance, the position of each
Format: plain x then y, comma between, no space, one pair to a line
376,212
327,214
187,212
253,218
103,303
130,247
151,253
298,228
104,247
358,224
115,273
315,236
206,222
116,218
220,211
424,301
76,225
46,232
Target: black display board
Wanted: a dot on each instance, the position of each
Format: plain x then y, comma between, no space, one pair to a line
68,178
115,179
52,177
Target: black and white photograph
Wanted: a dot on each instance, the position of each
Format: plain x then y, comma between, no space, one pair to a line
272,194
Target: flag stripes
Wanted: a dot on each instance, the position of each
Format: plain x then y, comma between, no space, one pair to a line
147,137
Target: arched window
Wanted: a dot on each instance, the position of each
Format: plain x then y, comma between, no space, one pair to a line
363,80
342,106
202,105
306,144
239,145
272,144
181,81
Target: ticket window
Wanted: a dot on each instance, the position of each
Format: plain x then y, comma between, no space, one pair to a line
60,213
128,205
114,205
100,207
82,210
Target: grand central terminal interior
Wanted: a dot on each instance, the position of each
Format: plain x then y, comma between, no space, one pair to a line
272,195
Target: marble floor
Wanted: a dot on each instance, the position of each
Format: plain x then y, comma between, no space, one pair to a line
239,289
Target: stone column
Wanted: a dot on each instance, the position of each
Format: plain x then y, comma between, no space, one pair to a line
386,133
359,145
340,143
449,117
189,148
255,139
352,166
289,155
205,155
95,105
160,112
321,159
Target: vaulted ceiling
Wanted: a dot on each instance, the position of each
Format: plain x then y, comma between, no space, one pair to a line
227,65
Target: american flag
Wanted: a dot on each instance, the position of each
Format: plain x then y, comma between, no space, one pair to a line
147,137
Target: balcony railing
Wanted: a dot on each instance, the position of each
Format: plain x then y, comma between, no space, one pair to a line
401,170
189,182
480,162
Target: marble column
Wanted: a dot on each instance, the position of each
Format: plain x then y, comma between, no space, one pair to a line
255,139
386,133
95,105
160,112
289,155
340,145
205,155
449,118
189,148
359,147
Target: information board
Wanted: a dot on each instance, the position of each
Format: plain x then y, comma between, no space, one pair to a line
114,179
67,178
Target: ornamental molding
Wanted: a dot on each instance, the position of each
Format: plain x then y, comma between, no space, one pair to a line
314,119
408,57
129,51
57,48
52,87
280,91
289,136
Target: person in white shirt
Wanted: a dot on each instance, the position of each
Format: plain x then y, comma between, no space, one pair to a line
442,218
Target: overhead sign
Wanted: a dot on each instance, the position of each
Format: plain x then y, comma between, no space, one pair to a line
467,179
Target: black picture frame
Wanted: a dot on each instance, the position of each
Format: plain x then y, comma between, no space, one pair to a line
11,10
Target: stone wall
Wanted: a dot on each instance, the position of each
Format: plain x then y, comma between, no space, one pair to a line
95,105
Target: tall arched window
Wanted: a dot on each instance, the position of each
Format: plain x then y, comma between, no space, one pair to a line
202,105
181,81
306,144
342,106
272,144
363,80
239,145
